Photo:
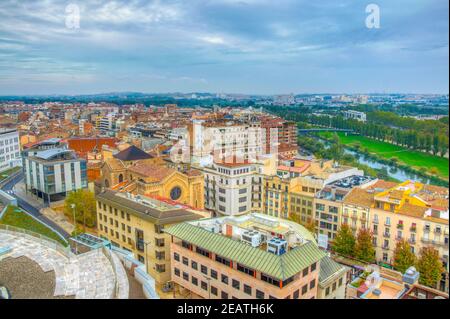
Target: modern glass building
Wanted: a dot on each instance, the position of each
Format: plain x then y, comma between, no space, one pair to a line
51,170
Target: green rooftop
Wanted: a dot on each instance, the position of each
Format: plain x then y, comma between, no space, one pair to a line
280,267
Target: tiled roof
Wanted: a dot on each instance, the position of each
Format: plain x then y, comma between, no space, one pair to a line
280,267
359,197
146,212
155,172
114,164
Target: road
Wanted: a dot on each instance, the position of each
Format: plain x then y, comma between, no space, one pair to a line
32,210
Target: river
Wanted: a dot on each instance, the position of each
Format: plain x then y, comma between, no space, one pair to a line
393,171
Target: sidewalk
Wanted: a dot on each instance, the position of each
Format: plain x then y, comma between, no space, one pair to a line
19,190
57,218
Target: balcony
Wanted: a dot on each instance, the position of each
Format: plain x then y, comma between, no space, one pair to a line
426,229
387,224
386,235
375,221
413,229
399,226
398,238
385,247
412,241
426,240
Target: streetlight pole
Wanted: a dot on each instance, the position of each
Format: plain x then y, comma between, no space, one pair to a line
74,216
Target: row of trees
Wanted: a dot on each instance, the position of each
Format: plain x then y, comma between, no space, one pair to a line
429,140
361,248
428,136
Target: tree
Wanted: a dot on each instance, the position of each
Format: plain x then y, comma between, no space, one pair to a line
364,247
403,256
85,211
344,242
429,266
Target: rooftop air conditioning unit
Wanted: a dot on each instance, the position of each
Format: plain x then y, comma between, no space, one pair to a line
251,237
277,246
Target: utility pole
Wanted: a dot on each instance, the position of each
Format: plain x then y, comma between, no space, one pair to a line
74,216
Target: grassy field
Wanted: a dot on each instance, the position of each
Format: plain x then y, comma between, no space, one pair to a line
417,160
14,216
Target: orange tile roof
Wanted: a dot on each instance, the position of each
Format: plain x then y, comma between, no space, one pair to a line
154,172
359,197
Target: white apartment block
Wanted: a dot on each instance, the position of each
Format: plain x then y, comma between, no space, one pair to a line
215,141
9,149
229,188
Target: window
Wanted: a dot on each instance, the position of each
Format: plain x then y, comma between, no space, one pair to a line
236,284
185,276
327,291
176,272
259,294
194,281
194,265
202,252
185,261
223,260
296,294
312,284
313,267
213,274
214,291
270,280
176,256
304,289
305,272
160,268
248,290
204,269
340,282
246,270
224,295
204,285
334,286
225,279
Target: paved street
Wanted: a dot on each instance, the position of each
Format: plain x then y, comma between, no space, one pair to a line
29,204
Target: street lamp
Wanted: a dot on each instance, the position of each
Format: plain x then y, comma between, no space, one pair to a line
74,217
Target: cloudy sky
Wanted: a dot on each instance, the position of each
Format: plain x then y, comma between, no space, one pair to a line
233,46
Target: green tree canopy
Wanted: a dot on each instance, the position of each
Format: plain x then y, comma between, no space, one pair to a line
403,256
344,242
84,202
364,249
429,266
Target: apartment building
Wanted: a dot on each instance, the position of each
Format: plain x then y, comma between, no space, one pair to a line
137,223
328,203
250,256
215,140
9,149
52,170
277,199
229,187
412,211
302,200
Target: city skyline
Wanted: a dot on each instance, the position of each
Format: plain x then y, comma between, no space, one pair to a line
244,47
